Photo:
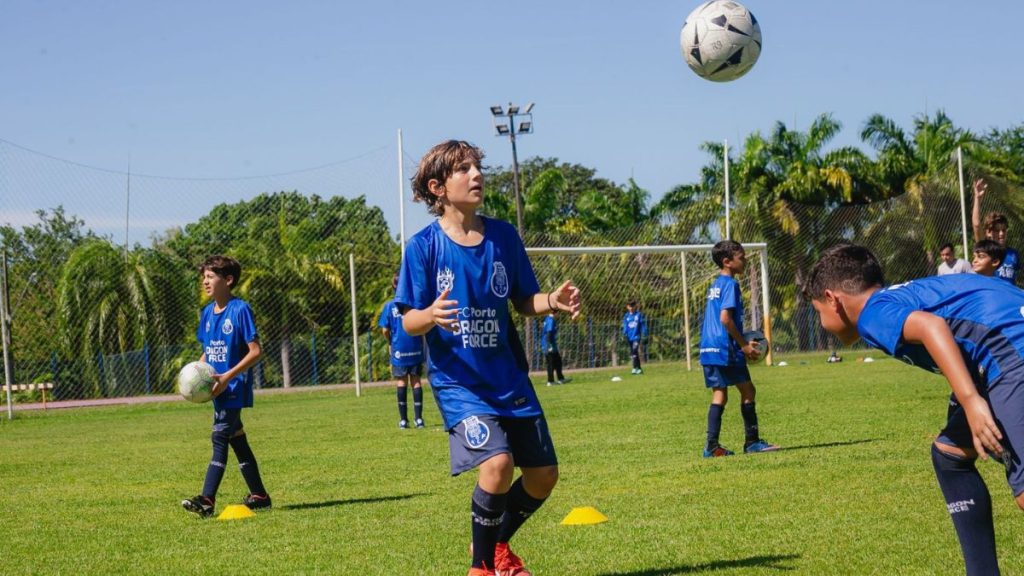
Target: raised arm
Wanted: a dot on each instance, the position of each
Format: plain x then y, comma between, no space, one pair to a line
979,192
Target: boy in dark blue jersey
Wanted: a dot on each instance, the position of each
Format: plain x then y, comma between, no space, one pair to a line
406,355
634,328
968,327
230,343
724,351
994,228
458,276
552,357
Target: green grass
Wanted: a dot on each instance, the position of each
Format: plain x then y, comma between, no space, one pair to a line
96,491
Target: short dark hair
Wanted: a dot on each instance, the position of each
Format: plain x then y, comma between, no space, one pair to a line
439,164
223,266
631,303
725,249
946,245
846,267
991,248
993,219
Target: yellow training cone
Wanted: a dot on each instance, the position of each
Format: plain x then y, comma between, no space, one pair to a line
236,512
584,515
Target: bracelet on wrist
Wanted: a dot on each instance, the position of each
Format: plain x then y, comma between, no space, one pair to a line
551,306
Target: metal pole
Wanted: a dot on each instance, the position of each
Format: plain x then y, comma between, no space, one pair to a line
5,321
515,173
767,326
963,198
686,310
127,207
401,194
725,153
355,319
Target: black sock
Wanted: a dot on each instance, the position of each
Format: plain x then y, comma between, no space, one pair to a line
970,507
558,365
487,510
215,471
714,424
550,358
749,423
247,465
417,402
403,405
520,507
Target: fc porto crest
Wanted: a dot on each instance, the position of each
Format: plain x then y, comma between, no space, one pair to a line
227,327
477,433
499,280
445,280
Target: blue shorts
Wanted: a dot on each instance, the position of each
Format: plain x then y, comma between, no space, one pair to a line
724,376
228,420
403,371
478,438
1006,399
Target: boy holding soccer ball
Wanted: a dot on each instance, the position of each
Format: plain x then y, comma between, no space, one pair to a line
724,351
228,335
458,276
970,329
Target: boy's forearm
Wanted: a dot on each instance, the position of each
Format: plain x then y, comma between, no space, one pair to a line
933,333
417,322
536,305
732,329
979,234
245,363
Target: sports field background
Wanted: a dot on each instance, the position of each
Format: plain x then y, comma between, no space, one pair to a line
96,490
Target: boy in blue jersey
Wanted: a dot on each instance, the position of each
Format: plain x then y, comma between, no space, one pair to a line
634,328
230,343
406,355
724,352
970,329
458,276
552,357
995,228
988,257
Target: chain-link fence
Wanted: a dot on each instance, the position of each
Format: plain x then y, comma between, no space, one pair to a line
106,306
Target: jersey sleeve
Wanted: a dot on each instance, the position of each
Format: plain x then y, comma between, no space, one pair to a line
416,284
246,325
524,282
731,296
881,322
385,314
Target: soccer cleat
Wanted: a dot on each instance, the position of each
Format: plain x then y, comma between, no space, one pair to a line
480,572
760,446
419,423
506,563
717,451
257,501
200,505
551,383
565,380
403,424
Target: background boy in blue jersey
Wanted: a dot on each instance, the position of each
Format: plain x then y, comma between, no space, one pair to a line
406,355
968,327
634,328
227,332
988,257
994,228
724,352
552,357
458,276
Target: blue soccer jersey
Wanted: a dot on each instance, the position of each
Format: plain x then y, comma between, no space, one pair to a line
405,350
550,334
225,337
634,326
986,316
717,348
481,367
1008,269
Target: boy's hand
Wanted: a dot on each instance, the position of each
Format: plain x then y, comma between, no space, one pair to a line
985,433
751,352
980,187
567,298
220,384
443,310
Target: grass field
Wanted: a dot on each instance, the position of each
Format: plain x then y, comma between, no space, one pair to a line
96,491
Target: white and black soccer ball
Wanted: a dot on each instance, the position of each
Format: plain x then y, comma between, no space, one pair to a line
195,382
721,40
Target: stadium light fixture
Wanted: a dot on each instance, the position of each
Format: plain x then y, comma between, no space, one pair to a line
509,129
497,111
528,109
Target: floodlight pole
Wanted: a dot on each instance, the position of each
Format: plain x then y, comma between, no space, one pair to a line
515,173
401,195
963,197
525,127
725,154
5,335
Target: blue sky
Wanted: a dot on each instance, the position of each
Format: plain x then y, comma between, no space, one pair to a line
230,89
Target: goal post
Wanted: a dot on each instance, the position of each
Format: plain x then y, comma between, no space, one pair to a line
669,283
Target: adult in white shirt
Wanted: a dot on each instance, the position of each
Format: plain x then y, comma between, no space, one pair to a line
951,264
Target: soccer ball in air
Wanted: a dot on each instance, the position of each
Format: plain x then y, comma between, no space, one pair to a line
721,40
195,382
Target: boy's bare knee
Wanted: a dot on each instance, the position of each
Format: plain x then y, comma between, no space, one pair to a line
539,482
496,473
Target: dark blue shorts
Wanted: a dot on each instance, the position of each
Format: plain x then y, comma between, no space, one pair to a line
403,371
1006,399
228,420
478,438
724,376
